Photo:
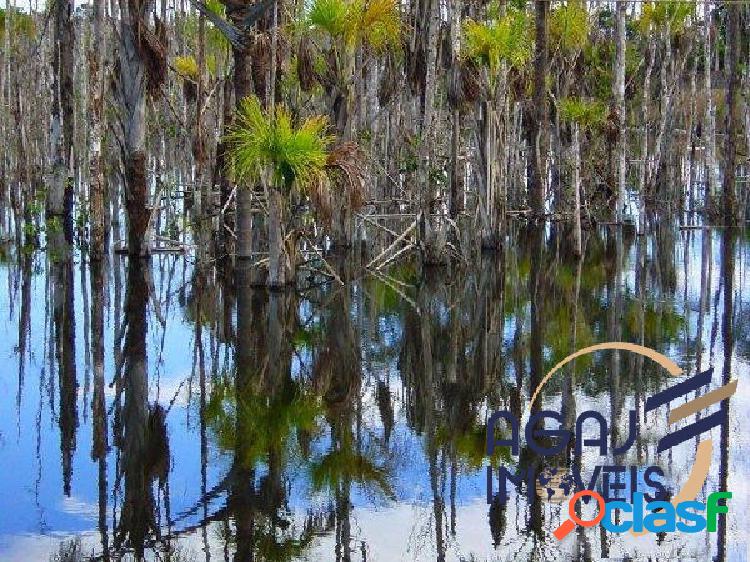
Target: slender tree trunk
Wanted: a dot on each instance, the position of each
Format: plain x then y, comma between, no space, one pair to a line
538,124
96,85
577,237
645,100
619,95
709,135
132,93
457,201
278,274
734,38
60,199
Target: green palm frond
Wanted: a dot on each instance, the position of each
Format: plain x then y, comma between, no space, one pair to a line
587,113
376,23
658,15
186,66
506,39
331,16
570,26
347,464
261,140
268,424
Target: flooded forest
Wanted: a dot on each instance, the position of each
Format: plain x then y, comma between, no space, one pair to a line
267,268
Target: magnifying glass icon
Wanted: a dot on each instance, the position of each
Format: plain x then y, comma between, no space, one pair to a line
569,524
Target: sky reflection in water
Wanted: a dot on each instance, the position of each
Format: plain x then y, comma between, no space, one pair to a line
346,423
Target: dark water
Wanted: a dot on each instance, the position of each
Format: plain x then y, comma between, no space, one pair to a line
211,421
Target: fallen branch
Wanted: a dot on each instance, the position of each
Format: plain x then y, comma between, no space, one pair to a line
398,240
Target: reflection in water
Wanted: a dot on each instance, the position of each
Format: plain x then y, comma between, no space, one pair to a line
348,421
143,444
60,254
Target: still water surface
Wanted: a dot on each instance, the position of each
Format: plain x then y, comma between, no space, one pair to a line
212,421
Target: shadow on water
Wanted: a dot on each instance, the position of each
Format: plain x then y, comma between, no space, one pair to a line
348,421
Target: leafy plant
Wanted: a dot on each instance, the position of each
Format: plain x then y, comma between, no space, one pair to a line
666,12
261,141
376,24
269,424
186,66
20,24
587,113
505,39
569,26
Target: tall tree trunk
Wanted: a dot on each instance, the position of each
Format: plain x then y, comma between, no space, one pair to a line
457,196
645,101
96,85
60,199
278,274
137,519
577,237
244,222
538,122
709,135
132,93
619,96
61,268
734,38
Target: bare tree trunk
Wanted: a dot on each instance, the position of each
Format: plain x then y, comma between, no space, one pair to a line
538,121
278,274
577,237
60,199
96,189
619,95
457,201
712,179
734,38
132,95
645,100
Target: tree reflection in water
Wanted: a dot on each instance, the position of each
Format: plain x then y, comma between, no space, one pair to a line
347,421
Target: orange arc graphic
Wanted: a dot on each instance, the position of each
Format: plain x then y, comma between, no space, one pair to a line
671,367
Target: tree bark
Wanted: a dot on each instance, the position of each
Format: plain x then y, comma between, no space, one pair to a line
577,237
96,84
60,199
619,95
709,135
538,122
734,17
132,94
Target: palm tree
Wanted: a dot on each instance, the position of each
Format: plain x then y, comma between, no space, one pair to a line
266,147
581,114
333,32
494,47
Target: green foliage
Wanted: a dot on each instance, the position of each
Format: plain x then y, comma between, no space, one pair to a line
216,44
21,24
569,26
267,423
186,67
262,141
376,24
331,16
216,7
658,15
471,446
346,464
506,39
587,113
597,61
